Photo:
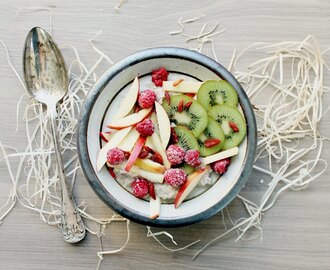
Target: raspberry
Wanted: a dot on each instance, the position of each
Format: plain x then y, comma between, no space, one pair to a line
145,128
221,166
175,177
140,187
158,76
175,154
147,99
115,156
192,158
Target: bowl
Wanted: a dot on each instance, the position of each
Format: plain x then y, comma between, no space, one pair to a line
101,101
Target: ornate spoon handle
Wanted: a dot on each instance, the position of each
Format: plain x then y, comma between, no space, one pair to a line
72,226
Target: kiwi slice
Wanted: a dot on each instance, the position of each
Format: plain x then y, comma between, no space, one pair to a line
186,139
185,111
232,124
213,131
212,93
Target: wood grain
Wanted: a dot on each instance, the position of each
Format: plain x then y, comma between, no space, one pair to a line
296,232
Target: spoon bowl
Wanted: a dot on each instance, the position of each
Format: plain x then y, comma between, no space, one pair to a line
47,82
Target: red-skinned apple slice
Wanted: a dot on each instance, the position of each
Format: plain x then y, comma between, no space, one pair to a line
130,120
191,182
158,147
114,142
155,207
164,124
183,87
149,165
221,155
129,100
129,141
135,153
105,136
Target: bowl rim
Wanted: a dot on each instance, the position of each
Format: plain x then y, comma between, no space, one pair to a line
147,54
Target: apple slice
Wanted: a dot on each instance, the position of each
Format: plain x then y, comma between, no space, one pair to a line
152,177
149,165
183,87
105,136
191,182
221,155
129,100
135,153
114,142
164,124
129,141
155,207
131,119
158,147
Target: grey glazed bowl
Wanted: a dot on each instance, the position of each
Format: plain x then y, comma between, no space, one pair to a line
95,112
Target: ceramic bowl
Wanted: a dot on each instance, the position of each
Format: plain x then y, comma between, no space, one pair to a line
101,100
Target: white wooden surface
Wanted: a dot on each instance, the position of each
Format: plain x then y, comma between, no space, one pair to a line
296,230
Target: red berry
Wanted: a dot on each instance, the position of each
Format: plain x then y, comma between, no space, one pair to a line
140,187
175,154
115,156
188,104
168,98
145,128
192,158
143,154
148,149
112,173
221,166
175,177
147,99
158,76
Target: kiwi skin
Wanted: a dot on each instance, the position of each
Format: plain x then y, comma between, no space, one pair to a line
212,93
212,131
224,114
186,138
193,117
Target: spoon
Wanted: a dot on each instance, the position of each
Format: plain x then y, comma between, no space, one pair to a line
47,82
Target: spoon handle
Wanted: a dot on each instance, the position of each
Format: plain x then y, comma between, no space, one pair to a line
72,226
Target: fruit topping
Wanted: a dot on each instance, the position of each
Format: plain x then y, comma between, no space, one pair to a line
192,158
185,138
234,132
147,99
158,76
175,154
140,187
175,177
194,117
156,157
212,93
115,156
221,166
152,190
145,128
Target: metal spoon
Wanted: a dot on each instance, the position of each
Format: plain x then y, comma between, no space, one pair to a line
47,81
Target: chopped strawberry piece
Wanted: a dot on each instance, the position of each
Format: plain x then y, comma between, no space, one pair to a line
180,106
112,173
174,136
143,154
188,104
233,126
168,98
152,190
211,142
157,158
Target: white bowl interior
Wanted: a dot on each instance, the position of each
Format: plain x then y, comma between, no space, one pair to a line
108,101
